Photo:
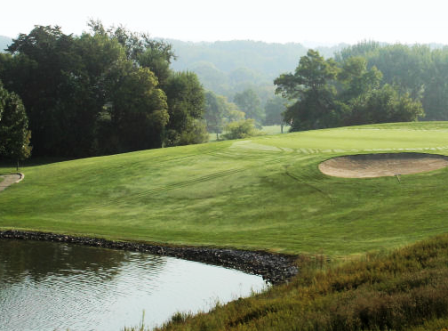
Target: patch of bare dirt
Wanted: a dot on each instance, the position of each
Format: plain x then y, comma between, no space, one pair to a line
380,165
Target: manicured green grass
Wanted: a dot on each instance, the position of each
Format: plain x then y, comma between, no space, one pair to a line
260,193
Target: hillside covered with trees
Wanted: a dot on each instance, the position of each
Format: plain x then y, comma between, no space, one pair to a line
111,90
106,91
325,93
230,67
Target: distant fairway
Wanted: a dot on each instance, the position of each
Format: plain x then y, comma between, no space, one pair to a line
262,193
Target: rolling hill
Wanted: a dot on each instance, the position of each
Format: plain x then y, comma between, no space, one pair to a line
264,193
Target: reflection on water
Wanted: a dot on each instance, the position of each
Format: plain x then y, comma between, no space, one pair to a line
50,286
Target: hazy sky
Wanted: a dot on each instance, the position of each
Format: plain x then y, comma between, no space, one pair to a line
325,21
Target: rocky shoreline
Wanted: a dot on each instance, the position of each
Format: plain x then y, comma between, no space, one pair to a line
274,268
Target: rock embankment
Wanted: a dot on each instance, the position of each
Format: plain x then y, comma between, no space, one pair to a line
274,268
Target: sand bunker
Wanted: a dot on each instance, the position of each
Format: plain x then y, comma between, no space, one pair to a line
379,165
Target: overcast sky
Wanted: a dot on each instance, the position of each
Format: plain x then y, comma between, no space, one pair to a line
324,21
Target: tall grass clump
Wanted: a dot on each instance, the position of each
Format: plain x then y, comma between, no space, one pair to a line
405,290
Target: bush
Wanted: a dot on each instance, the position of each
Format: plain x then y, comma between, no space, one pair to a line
241,129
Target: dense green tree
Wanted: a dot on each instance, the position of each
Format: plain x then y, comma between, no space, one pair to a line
383,105
186,106
356,79
102,92
14,133
249,103
313,92
241,129
185,95
134,43
137,110
41,70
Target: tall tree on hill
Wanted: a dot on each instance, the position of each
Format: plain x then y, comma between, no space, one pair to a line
156,55
103,92
185,95
313,93
41,58
186,106
137,110
14,133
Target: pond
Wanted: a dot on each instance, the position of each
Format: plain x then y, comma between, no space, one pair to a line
52,286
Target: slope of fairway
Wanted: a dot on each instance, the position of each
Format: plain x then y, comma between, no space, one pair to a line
260,193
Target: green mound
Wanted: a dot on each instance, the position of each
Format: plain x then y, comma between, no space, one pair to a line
262,193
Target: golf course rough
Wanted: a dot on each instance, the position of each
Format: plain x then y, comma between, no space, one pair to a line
263,193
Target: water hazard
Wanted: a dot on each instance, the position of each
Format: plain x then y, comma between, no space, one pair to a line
49,286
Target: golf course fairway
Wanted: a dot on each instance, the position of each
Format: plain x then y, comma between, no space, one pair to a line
262,193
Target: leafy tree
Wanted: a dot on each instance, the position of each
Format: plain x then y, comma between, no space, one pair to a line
249,102
312,91
362,49
383,105
14,133
241,129
215,111
137,110
103,92
186,106
274,110
185,95
134,43
218,112
356,79
39,72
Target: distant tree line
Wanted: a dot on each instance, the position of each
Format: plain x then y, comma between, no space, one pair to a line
418,72
421,71
111,90
106,91
329,93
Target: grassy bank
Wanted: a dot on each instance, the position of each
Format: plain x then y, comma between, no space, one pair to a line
405,290
262,193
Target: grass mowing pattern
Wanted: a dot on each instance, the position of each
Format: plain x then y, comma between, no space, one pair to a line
259,193
405,290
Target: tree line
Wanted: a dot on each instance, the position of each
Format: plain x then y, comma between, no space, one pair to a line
111,91
327,93
106,91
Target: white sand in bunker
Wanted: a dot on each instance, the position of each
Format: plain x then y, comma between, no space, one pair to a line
380,165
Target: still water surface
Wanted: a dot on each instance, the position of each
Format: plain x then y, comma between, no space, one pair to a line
50,286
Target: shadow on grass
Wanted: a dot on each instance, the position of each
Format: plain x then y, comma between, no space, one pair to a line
38,161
